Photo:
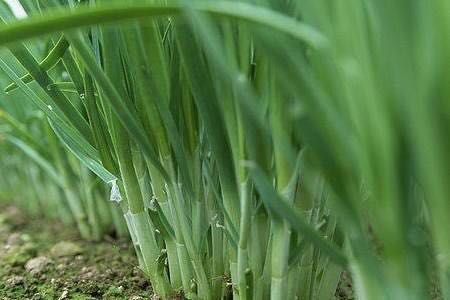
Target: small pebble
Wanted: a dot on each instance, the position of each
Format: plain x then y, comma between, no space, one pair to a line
63,295
37,264
64,248
14,280
14,239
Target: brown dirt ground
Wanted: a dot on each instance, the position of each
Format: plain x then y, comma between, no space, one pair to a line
31,267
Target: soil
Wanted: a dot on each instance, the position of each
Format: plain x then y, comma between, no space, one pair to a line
344,289
42,259
45,260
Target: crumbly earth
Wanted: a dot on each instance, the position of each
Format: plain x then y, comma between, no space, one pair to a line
45,260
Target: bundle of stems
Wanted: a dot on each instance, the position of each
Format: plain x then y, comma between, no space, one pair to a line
255,150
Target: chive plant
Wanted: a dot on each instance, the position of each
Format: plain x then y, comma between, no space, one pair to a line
251,150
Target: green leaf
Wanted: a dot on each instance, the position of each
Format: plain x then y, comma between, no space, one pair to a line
49,62
85,153
125,113
36,157
54,21
277,205
73,139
